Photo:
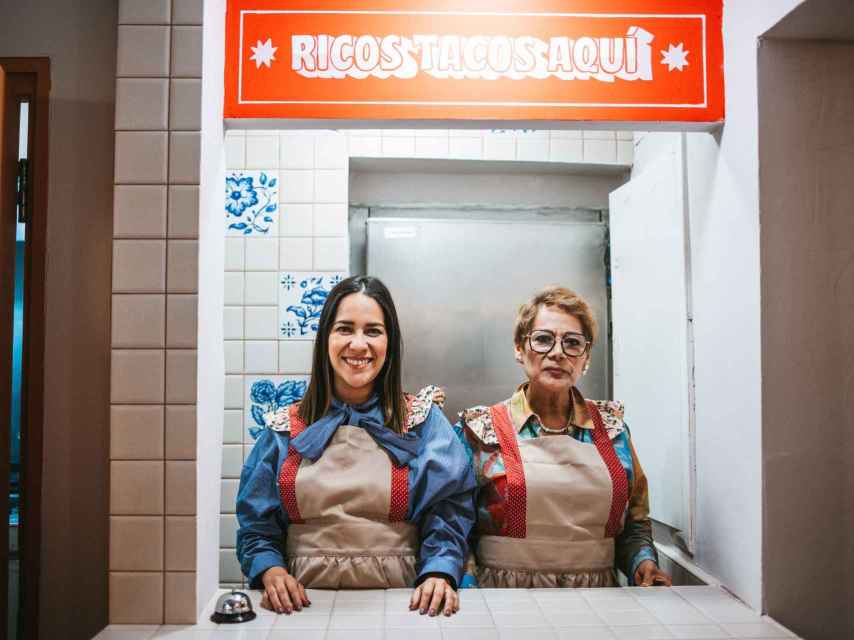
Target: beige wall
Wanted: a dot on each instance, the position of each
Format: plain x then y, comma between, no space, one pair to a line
806,153
80,39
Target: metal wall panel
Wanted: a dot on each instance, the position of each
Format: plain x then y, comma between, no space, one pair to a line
457,285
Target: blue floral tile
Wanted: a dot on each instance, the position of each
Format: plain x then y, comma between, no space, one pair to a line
265,395
302,295
251,203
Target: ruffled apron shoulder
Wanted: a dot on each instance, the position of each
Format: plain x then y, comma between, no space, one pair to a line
612,412
279,420
419,405
478,420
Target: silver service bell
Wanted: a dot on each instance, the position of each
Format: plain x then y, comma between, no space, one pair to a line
233,607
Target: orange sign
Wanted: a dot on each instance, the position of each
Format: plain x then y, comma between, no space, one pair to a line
606,60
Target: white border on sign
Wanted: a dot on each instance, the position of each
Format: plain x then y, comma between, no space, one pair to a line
701,17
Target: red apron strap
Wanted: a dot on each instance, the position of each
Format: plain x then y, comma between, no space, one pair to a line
288,472
620,494
516,505
399,505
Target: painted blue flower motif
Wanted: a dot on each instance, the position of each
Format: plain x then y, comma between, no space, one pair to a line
252,203
267,398
311,304
288,282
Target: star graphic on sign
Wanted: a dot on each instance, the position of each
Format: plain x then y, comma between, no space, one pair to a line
263,53
675,57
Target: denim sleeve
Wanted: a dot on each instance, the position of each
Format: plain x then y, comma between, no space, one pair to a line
262,522
442,502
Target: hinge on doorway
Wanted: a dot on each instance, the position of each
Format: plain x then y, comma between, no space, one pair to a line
22,188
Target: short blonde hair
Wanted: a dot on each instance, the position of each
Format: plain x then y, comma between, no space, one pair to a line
561,298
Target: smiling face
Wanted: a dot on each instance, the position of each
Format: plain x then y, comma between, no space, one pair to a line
358,343
552,372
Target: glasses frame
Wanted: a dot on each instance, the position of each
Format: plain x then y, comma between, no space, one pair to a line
588,343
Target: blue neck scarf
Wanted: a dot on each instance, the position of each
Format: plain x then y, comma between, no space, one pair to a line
312,442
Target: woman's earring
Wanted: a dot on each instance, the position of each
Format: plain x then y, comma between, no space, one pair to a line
586,367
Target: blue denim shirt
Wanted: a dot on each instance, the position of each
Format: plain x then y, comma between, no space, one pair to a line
441,504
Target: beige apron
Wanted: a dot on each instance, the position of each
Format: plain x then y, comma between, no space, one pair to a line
561,513
341,534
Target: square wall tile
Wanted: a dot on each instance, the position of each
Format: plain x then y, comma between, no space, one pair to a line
184,157
181,367
431,147
136,487
233,392
600,151
625,152
228,526
187,12
234,288
297,185
136,598
296,253
232,460
180,549
296,151
264,394
228,498
499,147
143,11
261,356
261,288
140,157
261,323
398,147
301,298
365,147
262,254
252,203
143,51
136,543
136,432
136,376
596,134
533,149
185,105
139,211
229,567
180,488
184,211
465,148
182,315
232,429
138,320
182,266
235,150
186,52
296,220
331,254
179,605
181,432
295,356
330,151
566,150
233,355
331,220
235,254
330,185
262,152
139,266
142,103
233,323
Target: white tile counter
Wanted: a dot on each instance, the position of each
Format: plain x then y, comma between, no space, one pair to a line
695,613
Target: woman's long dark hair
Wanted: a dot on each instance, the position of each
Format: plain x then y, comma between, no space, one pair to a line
387,384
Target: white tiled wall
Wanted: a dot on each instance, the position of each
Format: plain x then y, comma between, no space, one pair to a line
305,242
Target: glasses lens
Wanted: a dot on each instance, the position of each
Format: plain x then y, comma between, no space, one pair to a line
574,344
542,341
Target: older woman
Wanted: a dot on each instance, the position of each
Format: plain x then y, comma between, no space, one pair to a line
358,485
562,499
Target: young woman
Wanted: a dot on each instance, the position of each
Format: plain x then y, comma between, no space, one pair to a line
358,485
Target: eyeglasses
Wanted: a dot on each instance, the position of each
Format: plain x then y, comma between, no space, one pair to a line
572,344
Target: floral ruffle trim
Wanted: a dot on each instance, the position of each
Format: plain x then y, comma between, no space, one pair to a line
279,420
612,412
478,420
419,406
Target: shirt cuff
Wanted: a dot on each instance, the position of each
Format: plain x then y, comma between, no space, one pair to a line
646,553
260,564
451,569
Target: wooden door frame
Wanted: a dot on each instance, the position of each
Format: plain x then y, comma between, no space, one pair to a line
35,71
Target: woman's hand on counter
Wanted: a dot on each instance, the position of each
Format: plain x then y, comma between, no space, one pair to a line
648,575
428,597
282,592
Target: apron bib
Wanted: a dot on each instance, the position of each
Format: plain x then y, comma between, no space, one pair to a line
565,504
346,515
